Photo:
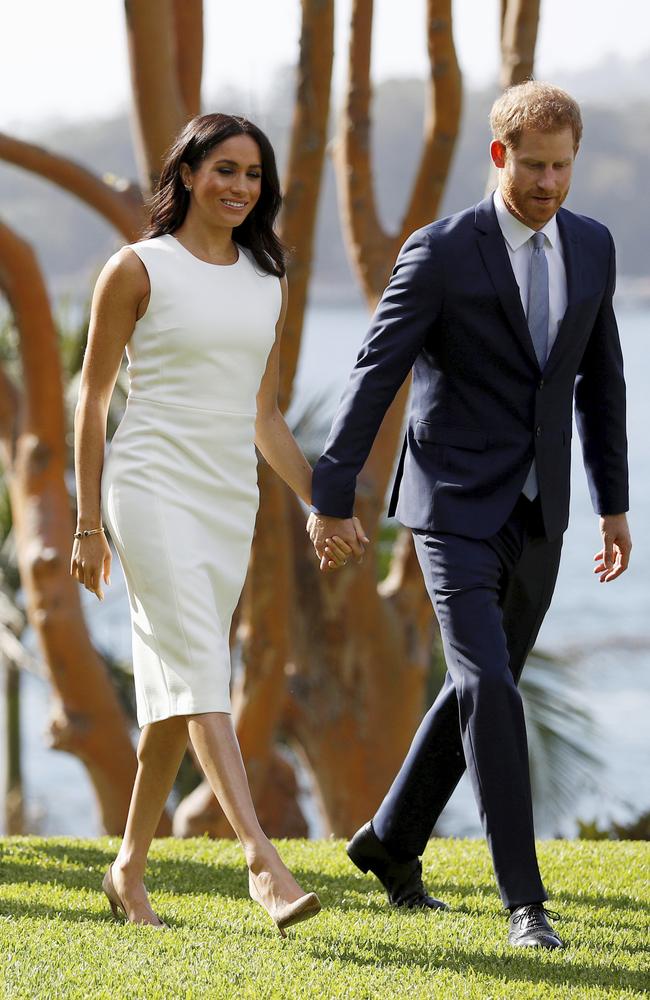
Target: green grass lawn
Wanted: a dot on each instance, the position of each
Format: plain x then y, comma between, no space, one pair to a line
58,939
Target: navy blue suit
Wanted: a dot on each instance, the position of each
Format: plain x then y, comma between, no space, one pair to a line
480,410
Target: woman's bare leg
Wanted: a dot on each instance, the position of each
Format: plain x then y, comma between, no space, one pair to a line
160,752
215,744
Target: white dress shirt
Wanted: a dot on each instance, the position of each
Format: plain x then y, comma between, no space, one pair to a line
518,244
517,237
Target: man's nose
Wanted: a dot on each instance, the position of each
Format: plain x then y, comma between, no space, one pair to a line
547,179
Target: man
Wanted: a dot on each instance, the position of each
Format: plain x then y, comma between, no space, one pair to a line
504,313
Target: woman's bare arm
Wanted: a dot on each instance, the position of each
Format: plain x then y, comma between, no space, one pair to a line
272,435
120,298
278,445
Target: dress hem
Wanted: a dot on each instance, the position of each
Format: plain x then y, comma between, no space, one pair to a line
187,710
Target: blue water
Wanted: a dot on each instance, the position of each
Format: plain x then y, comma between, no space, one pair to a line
604,630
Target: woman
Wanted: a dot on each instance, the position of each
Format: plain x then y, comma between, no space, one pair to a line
199,305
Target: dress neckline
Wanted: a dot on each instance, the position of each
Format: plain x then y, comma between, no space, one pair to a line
200,260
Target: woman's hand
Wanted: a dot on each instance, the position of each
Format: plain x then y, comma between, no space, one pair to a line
337,551
91,559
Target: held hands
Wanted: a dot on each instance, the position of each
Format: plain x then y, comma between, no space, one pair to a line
336,539
613,558
91,560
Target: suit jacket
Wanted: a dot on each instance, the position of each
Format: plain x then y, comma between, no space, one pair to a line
480,406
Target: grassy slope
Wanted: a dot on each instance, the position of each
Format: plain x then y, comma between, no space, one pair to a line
58,940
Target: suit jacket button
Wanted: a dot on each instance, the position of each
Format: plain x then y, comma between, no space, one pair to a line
541,384
538,430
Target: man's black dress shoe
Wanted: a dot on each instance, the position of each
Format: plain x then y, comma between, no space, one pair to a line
402,880
529,928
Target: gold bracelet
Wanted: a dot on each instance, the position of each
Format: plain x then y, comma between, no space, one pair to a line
89,531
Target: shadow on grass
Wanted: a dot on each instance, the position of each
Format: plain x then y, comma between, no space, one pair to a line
31,863
617,902
527,966
227,877
74,915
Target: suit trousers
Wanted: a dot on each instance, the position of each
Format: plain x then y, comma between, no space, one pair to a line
490,597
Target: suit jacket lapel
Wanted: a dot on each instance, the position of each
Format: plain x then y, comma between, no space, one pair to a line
572,259
493,250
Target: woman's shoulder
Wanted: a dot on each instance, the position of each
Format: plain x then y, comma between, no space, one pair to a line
152,243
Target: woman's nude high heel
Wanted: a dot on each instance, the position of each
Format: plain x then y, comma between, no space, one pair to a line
291,913
116,903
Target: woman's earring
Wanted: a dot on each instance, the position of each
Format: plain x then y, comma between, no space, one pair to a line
188,187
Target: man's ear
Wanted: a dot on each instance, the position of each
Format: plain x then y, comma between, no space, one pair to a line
498,153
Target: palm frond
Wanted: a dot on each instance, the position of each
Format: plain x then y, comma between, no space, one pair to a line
562,735
309,420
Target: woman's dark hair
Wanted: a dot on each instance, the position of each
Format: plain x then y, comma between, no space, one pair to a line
169,204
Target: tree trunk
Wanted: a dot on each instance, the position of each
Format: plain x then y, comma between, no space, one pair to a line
159,112
188,34
361,660
349,690
372,249
259,695
87,718
14,800
304,172
362,652
519,26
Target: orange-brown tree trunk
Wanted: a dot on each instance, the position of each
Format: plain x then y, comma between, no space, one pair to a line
87,718
266,606
519,24
346,685
362,652
188,35
361,661
155,62
373,250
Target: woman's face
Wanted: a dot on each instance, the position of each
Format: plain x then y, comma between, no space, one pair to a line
227,185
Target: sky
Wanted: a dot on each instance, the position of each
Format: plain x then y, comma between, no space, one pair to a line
67,60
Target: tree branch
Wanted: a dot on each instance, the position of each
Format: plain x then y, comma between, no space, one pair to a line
88,719
368,244
158,105
440,133
442,120
188,31
119,202
304,172
9,408
22,282
518,40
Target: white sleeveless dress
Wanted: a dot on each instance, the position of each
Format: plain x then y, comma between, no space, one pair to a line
179,485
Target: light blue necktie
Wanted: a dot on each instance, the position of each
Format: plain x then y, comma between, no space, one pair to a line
537,312
538,325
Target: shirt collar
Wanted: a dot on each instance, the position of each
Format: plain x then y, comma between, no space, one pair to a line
515,233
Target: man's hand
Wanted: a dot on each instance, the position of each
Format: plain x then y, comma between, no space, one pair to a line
613,558
335,539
